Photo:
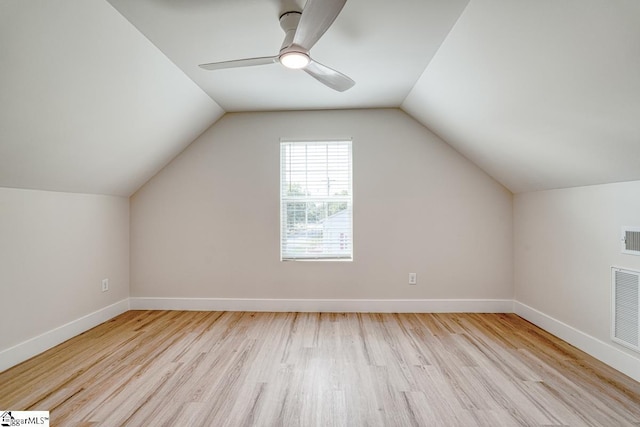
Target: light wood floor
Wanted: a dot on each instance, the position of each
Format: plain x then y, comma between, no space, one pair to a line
308,369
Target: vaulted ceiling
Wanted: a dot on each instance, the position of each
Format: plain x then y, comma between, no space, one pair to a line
383,45
97,96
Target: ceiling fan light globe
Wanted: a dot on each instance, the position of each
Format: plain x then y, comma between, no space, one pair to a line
295,60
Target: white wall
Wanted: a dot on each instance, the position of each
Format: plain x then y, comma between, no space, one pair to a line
207,226
55,249
566,242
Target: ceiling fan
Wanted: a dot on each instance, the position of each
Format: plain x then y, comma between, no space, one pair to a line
302,31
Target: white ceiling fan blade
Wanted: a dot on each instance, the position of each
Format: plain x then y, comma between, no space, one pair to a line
329,77
248,62
317,17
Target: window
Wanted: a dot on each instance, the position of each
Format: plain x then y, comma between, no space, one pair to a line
316,206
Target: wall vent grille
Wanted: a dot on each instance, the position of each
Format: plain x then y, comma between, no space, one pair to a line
626,308
631,240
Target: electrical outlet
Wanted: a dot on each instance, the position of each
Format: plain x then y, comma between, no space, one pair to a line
105,285
413,278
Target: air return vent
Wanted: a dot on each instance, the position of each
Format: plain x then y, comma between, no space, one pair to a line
631,240
625,328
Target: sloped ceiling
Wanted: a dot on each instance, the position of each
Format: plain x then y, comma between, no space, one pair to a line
540,94
88,103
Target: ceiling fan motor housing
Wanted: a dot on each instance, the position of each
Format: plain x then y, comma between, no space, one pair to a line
292,55
289,23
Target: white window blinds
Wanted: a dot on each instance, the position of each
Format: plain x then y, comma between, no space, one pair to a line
316,200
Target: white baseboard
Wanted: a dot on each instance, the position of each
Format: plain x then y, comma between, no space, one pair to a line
603,351
324,305
34,346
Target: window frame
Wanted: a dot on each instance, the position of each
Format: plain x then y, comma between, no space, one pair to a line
283,199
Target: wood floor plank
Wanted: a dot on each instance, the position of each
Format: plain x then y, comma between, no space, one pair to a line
320,369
